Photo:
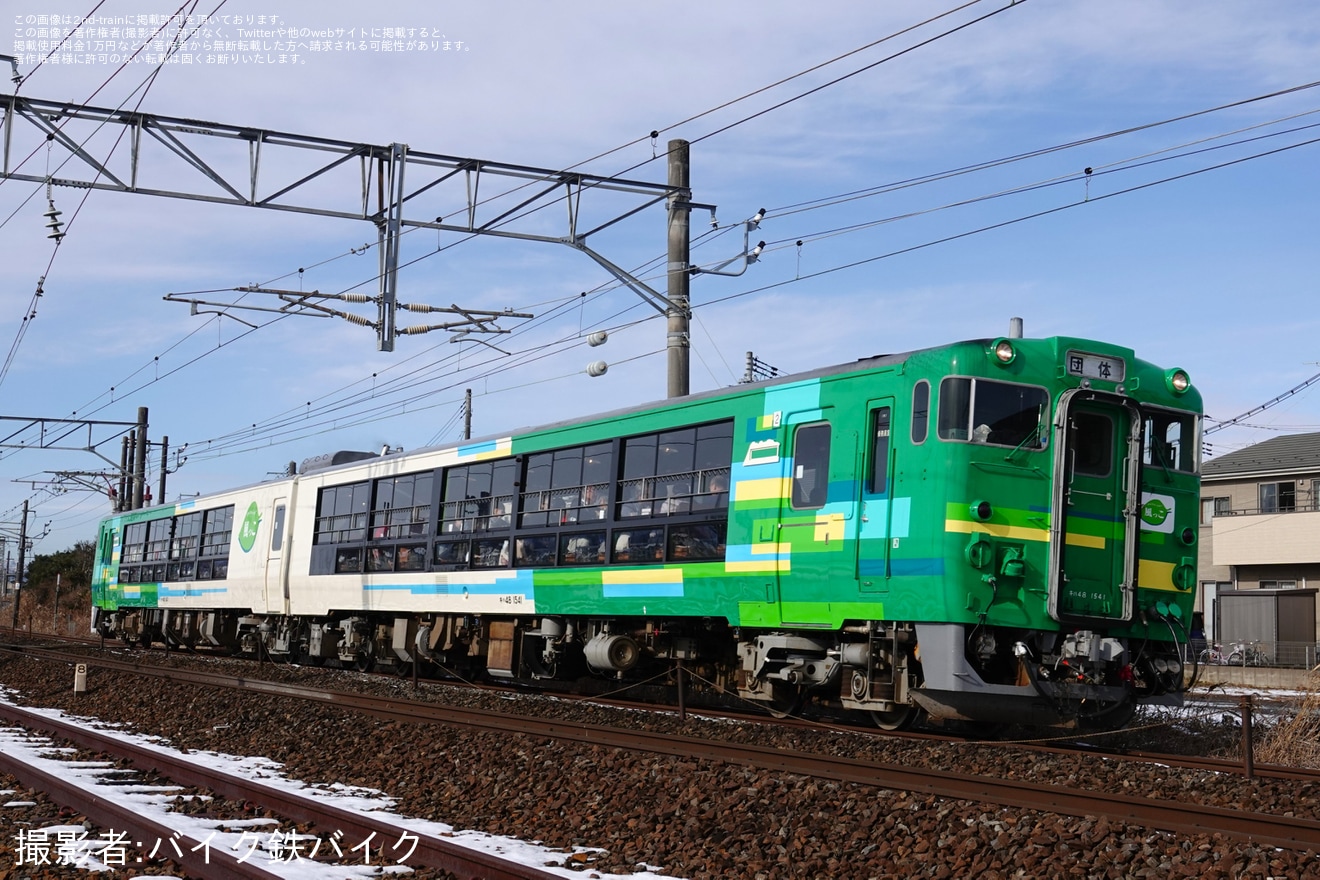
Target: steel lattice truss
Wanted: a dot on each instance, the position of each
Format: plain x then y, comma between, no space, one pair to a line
392,186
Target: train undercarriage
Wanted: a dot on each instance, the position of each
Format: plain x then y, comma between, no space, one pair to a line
897,673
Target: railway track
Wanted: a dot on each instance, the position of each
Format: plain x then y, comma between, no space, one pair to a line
1237,822
213,857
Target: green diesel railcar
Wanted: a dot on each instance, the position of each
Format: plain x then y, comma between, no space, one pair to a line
995,530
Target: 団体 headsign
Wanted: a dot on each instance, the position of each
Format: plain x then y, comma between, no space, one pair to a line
1096,366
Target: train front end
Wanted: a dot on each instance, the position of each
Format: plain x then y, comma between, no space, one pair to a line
1071,522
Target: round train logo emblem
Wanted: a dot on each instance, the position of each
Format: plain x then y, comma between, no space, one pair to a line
1154,512
247,533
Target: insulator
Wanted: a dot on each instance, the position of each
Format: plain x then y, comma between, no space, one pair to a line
597,368
597,338
415,307
413,331
355,297
357,319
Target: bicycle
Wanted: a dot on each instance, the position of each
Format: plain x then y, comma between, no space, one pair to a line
1213,655
1247,654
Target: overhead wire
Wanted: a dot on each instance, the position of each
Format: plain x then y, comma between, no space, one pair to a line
747,96
990,227
837,267
31,312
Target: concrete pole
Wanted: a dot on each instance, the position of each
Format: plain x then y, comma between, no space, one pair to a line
22,561
140,460
121,500
678,313
164,460
467,414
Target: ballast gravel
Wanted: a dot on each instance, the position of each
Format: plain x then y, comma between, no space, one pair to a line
675,815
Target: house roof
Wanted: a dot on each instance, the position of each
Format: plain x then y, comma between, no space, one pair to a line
1286,454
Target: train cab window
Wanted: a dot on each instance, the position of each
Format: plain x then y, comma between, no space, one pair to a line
1092,444
879,481
1169,440
994,413
920,411
811,466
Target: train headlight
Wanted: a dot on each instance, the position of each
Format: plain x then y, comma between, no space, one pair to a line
1003,352
1178,381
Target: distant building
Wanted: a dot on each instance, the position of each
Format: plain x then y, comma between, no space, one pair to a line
1260,521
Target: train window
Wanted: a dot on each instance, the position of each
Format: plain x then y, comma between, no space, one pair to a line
187,536
403,506
135,544
811,466
380,559
695,542
1169,440
1092,444
880,451
277,531
582,548
216,531
348,560
341,513
450,555
991,412
639,545
920,411
535,550
490,553
158,539
478,497
676,472
410,557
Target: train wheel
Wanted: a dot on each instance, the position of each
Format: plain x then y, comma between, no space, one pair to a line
786,699
897,718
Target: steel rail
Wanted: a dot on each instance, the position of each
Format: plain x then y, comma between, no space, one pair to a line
215,863
432,852
1282,831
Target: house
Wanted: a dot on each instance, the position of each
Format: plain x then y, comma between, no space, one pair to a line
1260,529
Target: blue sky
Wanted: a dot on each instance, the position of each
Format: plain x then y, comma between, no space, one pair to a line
1212,270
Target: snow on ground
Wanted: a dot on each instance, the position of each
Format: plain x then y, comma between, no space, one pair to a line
276,852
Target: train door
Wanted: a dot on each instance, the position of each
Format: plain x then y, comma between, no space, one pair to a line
1094,527
277,584
817,520
877,507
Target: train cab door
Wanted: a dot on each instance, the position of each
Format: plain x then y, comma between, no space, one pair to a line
877,506
277,583
1095,526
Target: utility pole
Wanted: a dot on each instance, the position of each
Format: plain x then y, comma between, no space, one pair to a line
164,460
22,561
678,310
140,460
467,414
125,457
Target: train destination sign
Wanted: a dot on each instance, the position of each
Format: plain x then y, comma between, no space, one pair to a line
1094,366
